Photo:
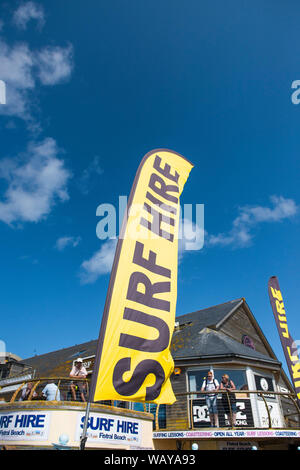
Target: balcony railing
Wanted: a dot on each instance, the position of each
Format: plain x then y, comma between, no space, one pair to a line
254,408
64,389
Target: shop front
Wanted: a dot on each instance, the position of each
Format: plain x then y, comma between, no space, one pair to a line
262,411
226,340
50,425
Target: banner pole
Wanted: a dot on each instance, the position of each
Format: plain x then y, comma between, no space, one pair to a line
83,437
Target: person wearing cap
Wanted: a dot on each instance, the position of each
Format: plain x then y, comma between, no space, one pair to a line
78,370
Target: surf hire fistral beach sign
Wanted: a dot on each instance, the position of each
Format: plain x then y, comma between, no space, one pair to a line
133,359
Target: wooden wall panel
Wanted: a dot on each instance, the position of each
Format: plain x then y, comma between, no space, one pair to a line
238,325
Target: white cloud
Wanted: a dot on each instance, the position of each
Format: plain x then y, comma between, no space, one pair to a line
35,183
29,259
282,209
99,264
16,65
29,11
63,242
22,69
249,217
86,181
54,64
16,71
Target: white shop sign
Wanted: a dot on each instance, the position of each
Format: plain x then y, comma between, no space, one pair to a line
237,445
275,415
24,426
111,429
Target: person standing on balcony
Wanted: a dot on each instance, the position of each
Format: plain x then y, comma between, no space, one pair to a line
210,384
26,392
229,400
51,392
79,371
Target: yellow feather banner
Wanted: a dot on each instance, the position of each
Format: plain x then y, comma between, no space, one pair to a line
133,360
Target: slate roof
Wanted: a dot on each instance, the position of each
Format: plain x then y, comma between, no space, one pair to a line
210,317
198,336
58,363
206,343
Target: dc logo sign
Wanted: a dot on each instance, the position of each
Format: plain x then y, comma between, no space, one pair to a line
2,92
200,413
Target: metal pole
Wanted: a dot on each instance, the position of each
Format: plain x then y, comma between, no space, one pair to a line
230,409
83,437
156,418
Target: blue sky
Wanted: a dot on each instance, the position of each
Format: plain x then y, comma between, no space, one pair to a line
93,86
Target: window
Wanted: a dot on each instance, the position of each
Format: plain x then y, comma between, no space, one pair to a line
151,408
238,376
196,379
198,407
78,354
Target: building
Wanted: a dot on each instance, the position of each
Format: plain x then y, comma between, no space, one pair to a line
10,365
225,338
